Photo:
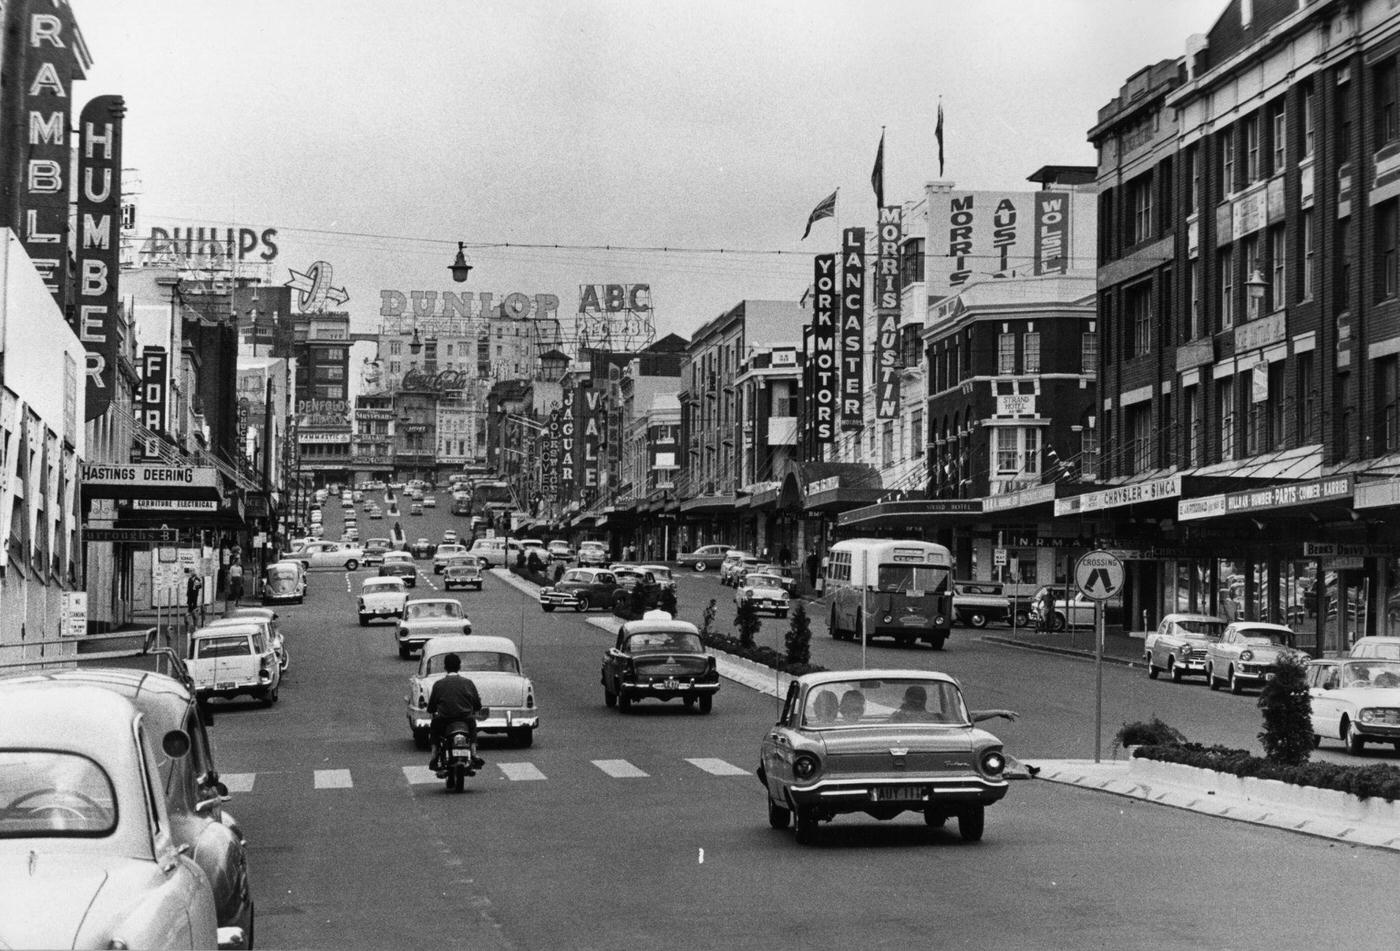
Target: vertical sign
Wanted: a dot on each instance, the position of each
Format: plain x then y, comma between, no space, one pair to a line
887,294
154,367
53,56
567,451
824,370
852,328
586,426
99,248
1051,232
808,385
551,457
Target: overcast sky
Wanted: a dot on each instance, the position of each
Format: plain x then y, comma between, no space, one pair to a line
376,135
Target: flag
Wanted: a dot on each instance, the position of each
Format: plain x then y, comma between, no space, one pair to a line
877,175
938,134
826,208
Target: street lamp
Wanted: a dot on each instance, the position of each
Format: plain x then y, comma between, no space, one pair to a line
415,346
460,268
1255,288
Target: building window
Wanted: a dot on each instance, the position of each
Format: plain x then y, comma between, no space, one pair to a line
1249,248
1344,122
1089,453
1089,353
1137,312
1193,177
1140,198
1278,135
1007,449
1387,237
916,434
1308,423
1309,256
887,444
1251,148
395,368
1309,117
1191,404
1193,296
911,262
1388,396
1030,352
1256,435
1389,126
1030,459
1140,434
1227,160
1226,266
1006,354
1225,400
1278,257
1342,264
395,348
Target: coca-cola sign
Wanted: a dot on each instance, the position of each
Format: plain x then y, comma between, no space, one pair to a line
416,379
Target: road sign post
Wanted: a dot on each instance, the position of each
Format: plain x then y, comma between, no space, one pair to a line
1099,576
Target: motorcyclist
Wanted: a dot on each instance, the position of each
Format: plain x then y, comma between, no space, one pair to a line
454,699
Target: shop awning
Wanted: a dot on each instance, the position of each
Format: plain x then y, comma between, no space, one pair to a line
708,505
913,513
1301,462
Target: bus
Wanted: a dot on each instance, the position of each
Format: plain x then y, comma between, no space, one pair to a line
900,589
488,499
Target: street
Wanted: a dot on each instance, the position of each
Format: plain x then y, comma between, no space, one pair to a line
647,829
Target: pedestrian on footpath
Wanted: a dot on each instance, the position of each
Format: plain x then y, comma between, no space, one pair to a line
235,582
193,586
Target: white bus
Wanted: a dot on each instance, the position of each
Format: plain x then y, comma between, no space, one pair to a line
901,589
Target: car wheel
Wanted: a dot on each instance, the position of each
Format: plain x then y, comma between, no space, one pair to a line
971,822
404,651
1317,741
1235,685
420,739
582,604
609,698
270,696
1175,671
707,702
351,565
1210,679
831,627
782,614
1152,670
364,621
1023,618
939,641
977,619
934,818
699,566
1057,622
1355,744
804,826
778,816
522,736
548,608
624,702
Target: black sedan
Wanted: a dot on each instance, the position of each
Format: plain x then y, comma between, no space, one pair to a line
400,568
422,548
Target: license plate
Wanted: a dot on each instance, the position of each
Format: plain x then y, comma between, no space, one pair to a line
461,754
1268,676
899,793
225,685
672,683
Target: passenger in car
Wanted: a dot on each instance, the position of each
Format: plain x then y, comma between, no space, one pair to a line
824,708
852,705
914,708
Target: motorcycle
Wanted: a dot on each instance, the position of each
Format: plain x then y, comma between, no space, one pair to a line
456,753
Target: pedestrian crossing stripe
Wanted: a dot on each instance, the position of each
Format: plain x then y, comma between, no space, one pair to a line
521,772
333,779
717,767
619,769
513,771
238,782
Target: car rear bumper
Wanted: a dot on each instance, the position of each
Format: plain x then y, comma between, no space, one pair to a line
860,794
666,689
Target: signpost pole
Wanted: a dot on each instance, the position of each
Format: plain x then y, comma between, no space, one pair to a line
1099,576
1098,680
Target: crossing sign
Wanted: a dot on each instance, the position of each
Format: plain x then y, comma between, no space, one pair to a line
1099,575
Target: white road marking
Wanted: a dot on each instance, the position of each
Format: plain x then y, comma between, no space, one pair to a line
238,782
417,775
619,768
717,767
521,772
333,779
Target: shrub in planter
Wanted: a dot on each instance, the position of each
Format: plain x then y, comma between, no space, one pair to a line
1147,733
1363,782
798,639
1287,734
748,622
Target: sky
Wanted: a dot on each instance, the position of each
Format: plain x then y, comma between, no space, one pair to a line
375,136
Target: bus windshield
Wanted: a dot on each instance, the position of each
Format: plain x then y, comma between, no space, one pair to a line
912,579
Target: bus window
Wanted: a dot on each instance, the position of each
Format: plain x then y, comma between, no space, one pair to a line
909,579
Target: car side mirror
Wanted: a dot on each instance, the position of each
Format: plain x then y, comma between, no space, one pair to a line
175,743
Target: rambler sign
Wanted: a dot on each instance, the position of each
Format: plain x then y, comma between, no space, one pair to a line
1130,494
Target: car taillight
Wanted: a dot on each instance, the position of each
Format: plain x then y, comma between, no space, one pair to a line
805,766
993,762
888,618
467,628
938,621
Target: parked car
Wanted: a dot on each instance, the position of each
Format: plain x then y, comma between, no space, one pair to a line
1356,701
881,742
422,548
1180,645
445,553
978,603
227,660
660,658
194,796
284,582
399,564
583,589
375,549
1063,612
592,554
705,558
764,591
736,564
493,665
380,598
1246,653
463,571
426,618
80,812
559,551
785,578
325,554
375,513
490,551
1377,646
662,574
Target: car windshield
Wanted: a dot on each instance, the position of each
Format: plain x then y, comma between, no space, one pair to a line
432,609
232,645
49,793
665,641
281,572
477,660
1388,649
1263,636
1206,627
389,586
846,703
1374,673
661,574
756,580
912,579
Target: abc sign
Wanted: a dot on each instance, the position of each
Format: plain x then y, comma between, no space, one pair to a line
613,298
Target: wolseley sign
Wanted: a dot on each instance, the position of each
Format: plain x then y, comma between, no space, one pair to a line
1130,494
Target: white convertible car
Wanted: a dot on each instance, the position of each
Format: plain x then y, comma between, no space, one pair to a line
493,664
1355,701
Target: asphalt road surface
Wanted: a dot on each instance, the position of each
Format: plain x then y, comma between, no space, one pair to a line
648,829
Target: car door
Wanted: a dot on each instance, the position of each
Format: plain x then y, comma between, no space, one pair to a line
603,588
776,756
1322,690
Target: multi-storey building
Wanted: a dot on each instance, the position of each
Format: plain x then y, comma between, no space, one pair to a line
768,387
1249,300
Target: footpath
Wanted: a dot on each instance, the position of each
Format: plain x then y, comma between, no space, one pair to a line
1316,812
